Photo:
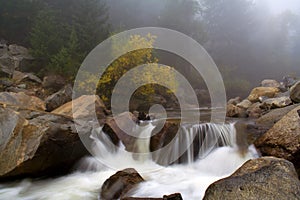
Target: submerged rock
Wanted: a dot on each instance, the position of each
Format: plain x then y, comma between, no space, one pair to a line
269,92
262,178
37,144
283,139
176,196
295,92
120,183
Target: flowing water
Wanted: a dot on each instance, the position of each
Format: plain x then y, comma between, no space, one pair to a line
211,163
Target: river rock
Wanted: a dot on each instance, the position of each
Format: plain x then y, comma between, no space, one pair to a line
116,134
59,98
255,111
262,178
22,100
269,92
283,139
119,184
234,101
84,107
235,111
37,144
289,81
245,104
176,196
270,83
274,116
273,103
295,92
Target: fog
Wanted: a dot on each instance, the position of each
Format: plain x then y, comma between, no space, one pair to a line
248,40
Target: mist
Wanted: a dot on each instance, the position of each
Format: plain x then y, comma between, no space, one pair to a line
249,40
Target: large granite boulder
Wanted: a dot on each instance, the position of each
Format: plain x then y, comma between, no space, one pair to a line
84,107
258,92
120,183
283,139
22,100
37,144
262,178
295,92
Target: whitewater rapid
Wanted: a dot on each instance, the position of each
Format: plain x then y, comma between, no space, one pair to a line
191,180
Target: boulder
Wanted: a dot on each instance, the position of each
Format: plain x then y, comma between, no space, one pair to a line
289,81
18,77
84,107
262,178
22,100
269,92
35,144
16,50
235,111
7,65
176,196
283,139
274,116
53,82
295,92
116,134
255,111
59,98
273,103
119,184
245,104
270,83
234,101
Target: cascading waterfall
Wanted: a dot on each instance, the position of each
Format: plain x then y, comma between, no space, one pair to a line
213,155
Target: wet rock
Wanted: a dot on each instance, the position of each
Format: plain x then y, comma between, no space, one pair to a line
245,104
22,100
273,103
35,144
53,82
262,178
235,111
269,92
84,107
295,92
119,184
59,98
270,83
234,101
283,139
117,134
